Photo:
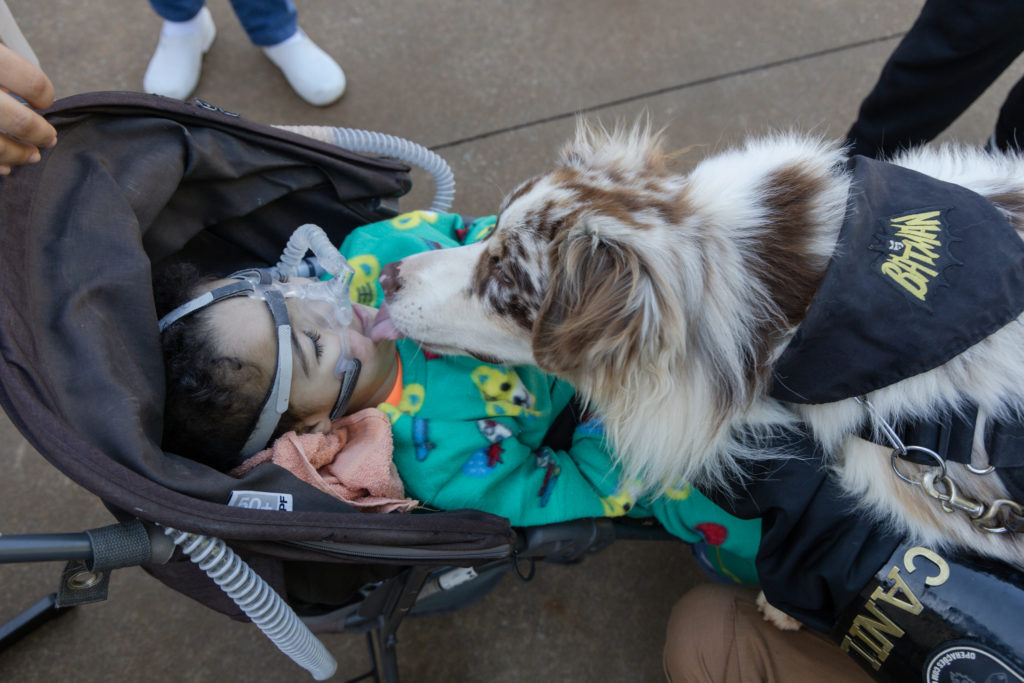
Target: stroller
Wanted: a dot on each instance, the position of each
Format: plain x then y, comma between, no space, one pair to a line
137,180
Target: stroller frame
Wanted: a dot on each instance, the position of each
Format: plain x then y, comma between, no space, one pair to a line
220,188
415,591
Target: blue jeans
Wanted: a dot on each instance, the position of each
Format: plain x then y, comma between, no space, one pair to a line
267,22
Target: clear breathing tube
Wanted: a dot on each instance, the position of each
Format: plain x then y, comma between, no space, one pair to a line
257,599
370,142
311,237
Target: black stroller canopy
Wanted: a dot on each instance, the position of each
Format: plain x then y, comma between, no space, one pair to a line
136,180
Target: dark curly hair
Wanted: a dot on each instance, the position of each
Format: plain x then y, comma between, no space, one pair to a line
212,400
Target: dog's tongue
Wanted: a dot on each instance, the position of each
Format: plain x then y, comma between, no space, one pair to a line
383,328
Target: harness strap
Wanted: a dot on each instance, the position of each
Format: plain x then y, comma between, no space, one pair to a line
951,436
1004,442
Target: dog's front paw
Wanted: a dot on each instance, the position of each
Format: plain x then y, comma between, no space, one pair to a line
777,617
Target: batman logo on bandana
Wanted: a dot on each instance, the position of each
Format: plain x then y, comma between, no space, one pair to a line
915,251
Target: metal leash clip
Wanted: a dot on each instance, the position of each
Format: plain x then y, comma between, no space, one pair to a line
950,498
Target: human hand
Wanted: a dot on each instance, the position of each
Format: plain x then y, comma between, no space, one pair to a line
22,131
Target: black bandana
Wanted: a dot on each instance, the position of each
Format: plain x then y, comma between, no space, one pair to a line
923,269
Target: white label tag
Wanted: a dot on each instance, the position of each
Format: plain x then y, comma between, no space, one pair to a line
261,500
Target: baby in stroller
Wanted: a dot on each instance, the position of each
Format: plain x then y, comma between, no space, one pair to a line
466,433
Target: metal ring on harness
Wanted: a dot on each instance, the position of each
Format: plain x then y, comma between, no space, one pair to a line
896,453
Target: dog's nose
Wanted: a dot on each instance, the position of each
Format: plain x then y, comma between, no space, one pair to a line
391,278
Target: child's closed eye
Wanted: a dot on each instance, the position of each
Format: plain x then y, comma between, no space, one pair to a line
318,347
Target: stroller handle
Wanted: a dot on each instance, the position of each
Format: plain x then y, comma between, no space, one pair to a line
110,547
45,548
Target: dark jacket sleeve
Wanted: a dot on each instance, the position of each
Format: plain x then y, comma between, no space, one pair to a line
817,548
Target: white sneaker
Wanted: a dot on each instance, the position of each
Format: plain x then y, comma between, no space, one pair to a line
174,68
311,72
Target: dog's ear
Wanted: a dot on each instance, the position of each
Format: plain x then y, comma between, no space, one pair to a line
604,307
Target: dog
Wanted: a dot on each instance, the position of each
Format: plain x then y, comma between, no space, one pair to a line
669,299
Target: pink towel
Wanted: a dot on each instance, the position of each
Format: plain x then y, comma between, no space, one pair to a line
352,463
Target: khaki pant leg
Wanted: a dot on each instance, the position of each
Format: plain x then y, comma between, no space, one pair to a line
716,635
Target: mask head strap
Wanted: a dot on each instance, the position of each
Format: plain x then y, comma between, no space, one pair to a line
348,385
242,287
276,402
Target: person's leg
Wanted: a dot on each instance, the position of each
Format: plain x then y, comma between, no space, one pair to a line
267,22
177,10
186,35
1009,133
952,53
273,26
716,635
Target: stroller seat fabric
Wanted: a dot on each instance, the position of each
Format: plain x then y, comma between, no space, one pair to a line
136,181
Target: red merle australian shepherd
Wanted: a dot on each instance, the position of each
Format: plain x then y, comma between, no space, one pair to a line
669,301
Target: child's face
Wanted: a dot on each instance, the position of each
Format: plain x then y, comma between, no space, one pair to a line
243,327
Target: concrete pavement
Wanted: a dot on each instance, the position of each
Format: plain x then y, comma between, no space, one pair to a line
493,86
